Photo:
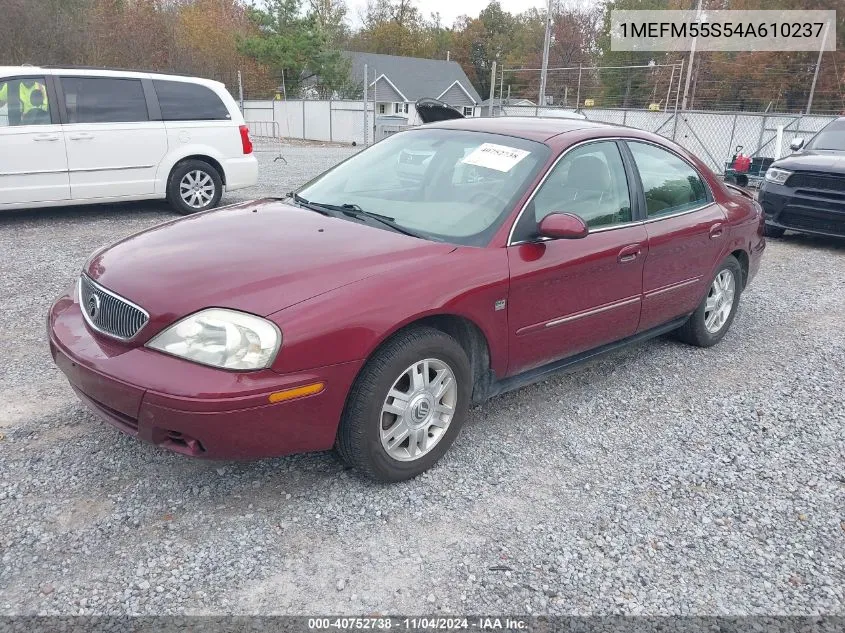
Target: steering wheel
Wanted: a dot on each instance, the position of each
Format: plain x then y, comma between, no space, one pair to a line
482,197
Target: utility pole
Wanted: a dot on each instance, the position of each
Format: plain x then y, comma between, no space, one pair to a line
691,59
818,65
492,88
546,43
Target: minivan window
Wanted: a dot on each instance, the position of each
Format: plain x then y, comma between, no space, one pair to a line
182,101
104,100
23,101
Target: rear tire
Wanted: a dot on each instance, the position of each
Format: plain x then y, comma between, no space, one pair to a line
773,231
377,428
714,315
194,186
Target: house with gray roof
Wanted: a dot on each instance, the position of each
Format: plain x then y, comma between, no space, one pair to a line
399,82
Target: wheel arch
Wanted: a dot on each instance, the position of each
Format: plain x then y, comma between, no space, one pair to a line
202,157
469,335
744,262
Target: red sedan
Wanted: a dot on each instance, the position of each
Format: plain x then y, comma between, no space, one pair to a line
434,270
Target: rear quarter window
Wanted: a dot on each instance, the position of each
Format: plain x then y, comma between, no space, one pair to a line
182,101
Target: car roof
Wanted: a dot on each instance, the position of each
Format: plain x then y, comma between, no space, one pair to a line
532,128
96,71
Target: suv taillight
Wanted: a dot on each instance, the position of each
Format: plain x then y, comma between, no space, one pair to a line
245,140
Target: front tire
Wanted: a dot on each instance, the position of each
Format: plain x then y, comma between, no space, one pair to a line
714,315
407,405
194,186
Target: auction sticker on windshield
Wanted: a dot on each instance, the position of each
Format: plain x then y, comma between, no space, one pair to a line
493,156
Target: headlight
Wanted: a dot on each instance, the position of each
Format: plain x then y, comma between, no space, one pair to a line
221,338
779,176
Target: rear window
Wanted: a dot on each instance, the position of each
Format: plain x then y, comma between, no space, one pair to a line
181,101
104,100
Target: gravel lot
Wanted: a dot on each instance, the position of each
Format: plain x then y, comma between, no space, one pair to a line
662,480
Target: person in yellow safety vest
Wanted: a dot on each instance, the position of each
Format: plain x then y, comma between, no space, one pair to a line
28,89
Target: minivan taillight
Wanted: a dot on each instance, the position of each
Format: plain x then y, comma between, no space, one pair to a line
245,140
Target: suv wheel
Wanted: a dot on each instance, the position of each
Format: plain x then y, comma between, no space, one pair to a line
194,186
407,405
714,315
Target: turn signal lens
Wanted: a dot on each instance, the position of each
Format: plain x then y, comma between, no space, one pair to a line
297,392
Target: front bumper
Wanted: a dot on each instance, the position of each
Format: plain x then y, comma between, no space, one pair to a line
192,409
820,212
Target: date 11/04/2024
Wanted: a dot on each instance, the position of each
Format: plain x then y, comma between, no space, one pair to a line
419,623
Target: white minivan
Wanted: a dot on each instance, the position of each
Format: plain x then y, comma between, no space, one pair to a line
82,136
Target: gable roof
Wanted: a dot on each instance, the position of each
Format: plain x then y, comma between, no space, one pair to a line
413,77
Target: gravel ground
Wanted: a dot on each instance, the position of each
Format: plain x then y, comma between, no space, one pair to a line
662,480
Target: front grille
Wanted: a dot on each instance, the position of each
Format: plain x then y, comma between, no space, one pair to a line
813,221
810,180
108,313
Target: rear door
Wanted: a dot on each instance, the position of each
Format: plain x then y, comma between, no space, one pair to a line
569,296
114,146
686,233
194,114
33,163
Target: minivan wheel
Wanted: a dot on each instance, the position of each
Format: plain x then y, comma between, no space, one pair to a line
714,315
407,405
194,186
773,231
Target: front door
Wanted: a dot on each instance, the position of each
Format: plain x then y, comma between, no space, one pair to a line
33,163
113,148
686,234
569,296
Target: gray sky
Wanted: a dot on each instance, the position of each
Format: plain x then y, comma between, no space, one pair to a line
450,9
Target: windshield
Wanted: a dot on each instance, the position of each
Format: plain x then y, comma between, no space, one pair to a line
451,185
832,136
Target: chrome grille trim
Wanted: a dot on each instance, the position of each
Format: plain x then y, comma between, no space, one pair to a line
118,317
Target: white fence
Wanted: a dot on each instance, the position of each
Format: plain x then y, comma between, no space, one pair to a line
712,136
330,121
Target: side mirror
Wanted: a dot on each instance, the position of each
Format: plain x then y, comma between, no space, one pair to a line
796,144
567,226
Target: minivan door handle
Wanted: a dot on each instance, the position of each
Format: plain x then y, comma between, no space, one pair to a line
629,253
46,137
81,137
717,230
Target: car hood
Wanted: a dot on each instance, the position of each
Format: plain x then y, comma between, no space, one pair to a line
814,160
258,257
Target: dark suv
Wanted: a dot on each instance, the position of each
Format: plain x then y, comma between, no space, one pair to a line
806,191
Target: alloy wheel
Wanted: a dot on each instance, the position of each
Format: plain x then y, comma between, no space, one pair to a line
196,189
720,301
418,409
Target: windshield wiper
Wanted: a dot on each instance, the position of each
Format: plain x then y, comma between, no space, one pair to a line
302,202
353,211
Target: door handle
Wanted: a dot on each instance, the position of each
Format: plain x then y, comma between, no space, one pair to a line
629,253
46,137
81,137
716,231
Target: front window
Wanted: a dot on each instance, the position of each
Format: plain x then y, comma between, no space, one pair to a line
23,101
832,137
467,111
450,185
